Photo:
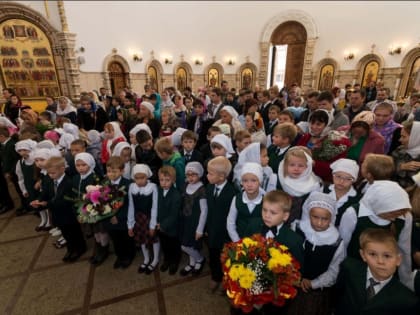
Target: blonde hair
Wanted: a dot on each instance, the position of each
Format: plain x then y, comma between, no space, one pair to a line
299,152
169,171
164,145
286,130
380,166
279,197
220,165
382,236
55,162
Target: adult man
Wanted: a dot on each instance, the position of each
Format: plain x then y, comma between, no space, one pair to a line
265,105
381,96
216,104
311,105
357,104
371,92
325,101
225,89
104,95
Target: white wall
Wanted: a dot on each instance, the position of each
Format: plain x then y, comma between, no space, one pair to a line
225,29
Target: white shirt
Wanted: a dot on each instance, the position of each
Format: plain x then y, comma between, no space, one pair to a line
116,182
191,189
150,188
220,187
379,286
270,234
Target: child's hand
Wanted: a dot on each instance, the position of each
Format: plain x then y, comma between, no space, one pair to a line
152,232
114,220
130,232
198,236
306,285
34,203
37,185
26,195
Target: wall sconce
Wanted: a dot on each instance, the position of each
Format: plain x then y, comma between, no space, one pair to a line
198,62
349,56
231,62
395,51
168,61
137,58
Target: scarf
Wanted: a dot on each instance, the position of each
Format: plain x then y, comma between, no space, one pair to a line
414,141
387,131
67,110
145,191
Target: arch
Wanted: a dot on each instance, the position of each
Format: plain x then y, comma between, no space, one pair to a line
220,71
320,66
157,66
107,77
188,70
312,35
365,61
118,78
240,74
115,58
407,65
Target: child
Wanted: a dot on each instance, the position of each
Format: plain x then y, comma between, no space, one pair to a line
323,253
169,122
194,215
242,140
375,167
205,148
165,152
297,179
133,139
53,136
199,122
142,214
55,188
371,286
117,225
219,194
345,173
123,150
385,124
255,126
26,173
385,205
244,217
221,145
189,142
282,137
146,155
94,144
169,208
113,135
273,115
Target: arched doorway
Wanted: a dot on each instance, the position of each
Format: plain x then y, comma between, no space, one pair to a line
117,77
287,54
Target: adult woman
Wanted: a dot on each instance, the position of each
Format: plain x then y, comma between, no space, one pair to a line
66,109
90,115
255,126
228,115
147,117
15,107
386,126
180,110
407,156
326,145
166,100
51,104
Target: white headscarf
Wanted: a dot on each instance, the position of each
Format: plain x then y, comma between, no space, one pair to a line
45,144
66,140
94,136
381,197
89,160
306,183
27,144
250,154
7,123
139,127
176,136
319,200
149,106
194,167
253,168
119,147
347,166
225,142
231,111
413,148
41,153
143,169
71,129
68,109
117,131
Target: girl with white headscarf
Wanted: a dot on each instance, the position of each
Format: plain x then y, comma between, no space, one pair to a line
407,156
112,135
123,150
385,205
323,253
142,215
66,109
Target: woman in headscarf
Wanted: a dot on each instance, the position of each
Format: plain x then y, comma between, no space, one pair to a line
90,115
228,115
146,116
66,109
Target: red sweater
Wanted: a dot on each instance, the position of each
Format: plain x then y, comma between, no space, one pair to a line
105,154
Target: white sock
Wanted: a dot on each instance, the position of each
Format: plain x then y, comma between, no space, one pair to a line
195,254
48,219
97,237
192,261
146,255
43,214
104,239
156,249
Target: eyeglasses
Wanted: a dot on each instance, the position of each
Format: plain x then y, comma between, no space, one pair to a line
344,179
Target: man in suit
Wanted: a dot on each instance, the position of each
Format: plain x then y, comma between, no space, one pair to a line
199,122
104,96
266,103
216,104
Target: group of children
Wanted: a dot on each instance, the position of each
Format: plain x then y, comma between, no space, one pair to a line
180,196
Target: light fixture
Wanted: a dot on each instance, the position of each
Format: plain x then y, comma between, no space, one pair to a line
168,61
395,51
198,62
349,56
231,62
137,58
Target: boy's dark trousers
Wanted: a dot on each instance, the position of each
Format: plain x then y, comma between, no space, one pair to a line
215,264
72,233
171,248
5,199
123,244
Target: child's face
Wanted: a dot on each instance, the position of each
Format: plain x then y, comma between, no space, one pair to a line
113,173
140,179
272,115
76,149
40,163
165,181
264,157
188,103
24,153
296,166
133,139
392,215
342,181
404,138
126,155
240,145
218,151
214,177
115,103
199,110
188,144
109,133
163,155
250,183
273,214
55,172
279,140
285,118
320,219
147,145
249,124
165,118
192,177
382,116
382,259
81,167
212,135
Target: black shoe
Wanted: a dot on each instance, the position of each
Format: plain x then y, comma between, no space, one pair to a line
186,271
101,255
198,267
142,268
67,256
150,269
76,255
173,268
117,263
95,253
164,266
125,263
4,209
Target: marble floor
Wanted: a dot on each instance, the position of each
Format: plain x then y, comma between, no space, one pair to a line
34,280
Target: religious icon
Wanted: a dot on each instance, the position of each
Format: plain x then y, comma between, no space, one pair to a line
19,30
213,77
32,34
326,78
370,73
152,75
247,78
181,79
8,32
414,78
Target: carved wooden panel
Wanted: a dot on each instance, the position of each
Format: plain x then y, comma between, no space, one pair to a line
294,64
117,77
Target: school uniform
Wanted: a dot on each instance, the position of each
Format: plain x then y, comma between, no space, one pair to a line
193,156
8,160
352,298
151,159
276,155
26,172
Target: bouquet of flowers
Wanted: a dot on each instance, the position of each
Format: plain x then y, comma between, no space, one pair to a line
334,144
100,202
258,271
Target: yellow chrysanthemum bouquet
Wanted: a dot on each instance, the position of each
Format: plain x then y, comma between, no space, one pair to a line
258,271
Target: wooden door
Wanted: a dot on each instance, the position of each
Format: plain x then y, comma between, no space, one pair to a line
294,64
117,77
